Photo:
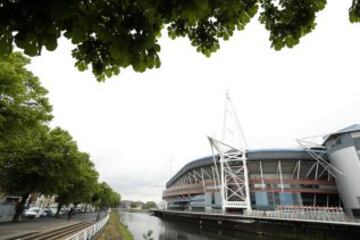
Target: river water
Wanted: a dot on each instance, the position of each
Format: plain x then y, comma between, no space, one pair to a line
141,223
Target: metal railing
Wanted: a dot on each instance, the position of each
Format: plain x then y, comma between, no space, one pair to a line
89,232
305,213
298,213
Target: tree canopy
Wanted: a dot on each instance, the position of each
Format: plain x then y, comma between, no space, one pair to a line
43,163
149,205
112,34
82,184
24,113
105,196
33,157
23,101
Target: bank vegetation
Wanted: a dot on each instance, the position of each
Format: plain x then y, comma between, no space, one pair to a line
114,229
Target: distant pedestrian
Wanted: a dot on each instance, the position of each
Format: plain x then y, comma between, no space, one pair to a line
71,213
98,215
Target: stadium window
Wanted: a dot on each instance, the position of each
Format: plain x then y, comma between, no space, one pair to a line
261,199
357,143
286,198
338,141
212,198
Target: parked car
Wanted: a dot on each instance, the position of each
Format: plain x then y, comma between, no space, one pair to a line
46,212
64,211
79,210
53,210
33,212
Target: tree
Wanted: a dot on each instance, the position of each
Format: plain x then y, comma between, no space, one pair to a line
82,184
85,183
43,163
24,113
114,34
19,163
150,205
34,158
106,196
23,102
133,204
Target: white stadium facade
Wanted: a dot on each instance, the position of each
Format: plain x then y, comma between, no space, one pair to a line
322,176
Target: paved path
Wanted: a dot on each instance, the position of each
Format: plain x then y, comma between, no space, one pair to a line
235,217
8,230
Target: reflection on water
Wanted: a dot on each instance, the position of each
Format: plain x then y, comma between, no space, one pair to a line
140,223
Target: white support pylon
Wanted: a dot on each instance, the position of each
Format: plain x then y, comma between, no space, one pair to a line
234,184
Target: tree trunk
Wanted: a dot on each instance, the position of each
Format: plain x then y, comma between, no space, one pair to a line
19,208
58,209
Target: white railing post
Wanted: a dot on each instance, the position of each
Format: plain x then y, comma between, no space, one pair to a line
91,230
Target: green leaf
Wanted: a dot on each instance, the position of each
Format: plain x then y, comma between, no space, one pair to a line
51,44
81,66
289,41
5,45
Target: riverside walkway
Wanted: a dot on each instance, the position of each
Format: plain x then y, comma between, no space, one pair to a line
12,230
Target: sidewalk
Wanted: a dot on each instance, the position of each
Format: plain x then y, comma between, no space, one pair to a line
8,230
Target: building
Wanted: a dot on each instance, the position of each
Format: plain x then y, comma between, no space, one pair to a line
343,150
325,177
125,204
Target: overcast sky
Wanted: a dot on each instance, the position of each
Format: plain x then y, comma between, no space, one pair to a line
140,128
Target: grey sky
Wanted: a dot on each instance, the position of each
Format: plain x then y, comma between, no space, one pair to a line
141,128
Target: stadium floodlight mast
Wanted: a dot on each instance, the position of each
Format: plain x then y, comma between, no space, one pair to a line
234,180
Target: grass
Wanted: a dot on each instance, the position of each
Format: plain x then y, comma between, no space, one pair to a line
114,229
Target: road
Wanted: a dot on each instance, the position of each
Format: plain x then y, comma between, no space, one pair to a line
8,230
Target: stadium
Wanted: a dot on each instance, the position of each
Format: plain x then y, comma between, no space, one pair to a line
324,176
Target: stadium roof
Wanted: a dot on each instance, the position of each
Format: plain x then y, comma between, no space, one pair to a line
256,154
352,128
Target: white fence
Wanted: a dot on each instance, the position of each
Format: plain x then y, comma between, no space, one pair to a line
328,214
305,213
89,232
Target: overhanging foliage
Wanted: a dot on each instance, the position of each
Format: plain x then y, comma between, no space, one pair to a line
112,34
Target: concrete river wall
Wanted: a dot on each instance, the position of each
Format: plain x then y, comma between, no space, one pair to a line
274,227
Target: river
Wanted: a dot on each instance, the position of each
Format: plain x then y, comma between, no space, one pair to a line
141,223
